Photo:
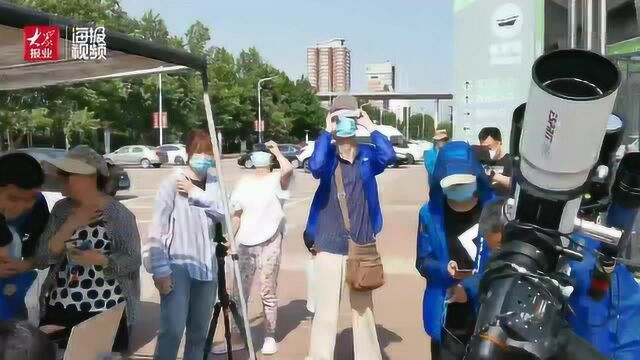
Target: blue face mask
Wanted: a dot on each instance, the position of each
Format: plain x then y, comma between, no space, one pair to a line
461,193
201,164
346,127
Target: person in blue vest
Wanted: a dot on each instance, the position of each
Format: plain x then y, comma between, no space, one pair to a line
23,216
440,139
447,246
609,324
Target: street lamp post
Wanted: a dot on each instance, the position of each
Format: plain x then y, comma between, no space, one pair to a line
260,107
306,136
160,105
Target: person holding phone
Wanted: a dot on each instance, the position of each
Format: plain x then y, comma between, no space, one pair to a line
181,253
93,247
447,247
259,224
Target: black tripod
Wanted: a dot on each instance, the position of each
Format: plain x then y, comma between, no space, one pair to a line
224,304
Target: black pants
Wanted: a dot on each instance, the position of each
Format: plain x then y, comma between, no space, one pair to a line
70,318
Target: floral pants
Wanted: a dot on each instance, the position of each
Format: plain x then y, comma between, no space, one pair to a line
262,260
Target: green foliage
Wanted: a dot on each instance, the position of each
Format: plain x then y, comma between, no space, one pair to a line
288,107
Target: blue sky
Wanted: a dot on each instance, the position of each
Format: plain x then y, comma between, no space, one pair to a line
416,35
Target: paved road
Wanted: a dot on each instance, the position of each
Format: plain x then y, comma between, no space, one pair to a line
397,304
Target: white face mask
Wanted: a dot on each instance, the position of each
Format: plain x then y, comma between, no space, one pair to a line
492,153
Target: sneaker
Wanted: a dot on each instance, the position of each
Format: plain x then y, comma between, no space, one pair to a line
270,346
236,344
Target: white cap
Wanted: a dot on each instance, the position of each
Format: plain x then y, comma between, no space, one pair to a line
457,179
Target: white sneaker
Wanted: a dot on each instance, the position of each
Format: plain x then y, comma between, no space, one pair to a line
270,346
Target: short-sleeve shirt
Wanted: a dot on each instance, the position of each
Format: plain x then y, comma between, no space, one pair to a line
261,199
85,288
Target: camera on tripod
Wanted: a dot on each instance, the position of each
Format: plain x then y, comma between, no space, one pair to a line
557,143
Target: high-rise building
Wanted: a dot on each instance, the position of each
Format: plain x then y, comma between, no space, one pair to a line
329,66
381,77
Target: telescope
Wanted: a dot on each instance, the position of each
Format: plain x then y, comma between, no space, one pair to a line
559,156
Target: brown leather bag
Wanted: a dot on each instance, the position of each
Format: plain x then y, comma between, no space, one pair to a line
364,265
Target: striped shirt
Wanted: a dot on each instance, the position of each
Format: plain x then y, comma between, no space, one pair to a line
181,230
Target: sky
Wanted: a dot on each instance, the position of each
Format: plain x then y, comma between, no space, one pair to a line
415,35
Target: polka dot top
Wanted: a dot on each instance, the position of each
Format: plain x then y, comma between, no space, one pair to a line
85,287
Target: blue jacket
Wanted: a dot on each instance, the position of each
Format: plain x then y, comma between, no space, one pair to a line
432,250
610,325
373,161
430,157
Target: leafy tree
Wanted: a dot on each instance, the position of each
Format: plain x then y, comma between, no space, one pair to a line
79,123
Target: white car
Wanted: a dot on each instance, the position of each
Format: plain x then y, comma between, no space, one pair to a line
145,156
305,155
176,153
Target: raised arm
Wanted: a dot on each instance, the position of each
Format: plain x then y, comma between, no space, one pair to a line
383,153
286,168
320,163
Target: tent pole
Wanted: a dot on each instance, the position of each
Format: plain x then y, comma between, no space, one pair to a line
227,216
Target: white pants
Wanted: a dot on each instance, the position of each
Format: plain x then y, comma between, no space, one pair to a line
330,282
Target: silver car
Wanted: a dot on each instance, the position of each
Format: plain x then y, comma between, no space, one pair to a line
145,156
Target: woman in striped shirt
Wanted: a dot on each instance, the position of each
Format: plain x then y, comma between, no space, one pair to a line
181,254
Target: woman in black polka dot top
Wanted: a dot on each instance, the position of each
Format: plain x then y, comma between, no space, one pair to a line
95,246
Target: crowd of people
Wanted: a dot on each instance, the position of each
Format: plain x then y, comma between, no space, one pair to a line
91,246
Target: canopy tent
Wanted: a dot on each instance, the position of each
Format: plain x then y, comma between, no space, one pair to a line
126,57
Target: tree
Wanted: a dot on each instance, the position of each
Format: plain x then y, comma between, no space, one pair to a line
79,123
389,118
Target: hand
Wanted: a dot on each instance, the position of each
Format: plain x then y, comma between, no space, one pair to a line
84,216
184,186
331,126
273,147
452,268
87,257
8,268
365,121
164,285
457,294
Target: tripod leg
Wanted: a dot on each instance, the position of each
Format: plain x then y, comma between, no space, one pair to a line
227,334
237,318
212,330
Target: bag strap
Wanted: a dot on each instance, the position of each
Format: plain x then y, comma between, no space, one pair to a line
342,199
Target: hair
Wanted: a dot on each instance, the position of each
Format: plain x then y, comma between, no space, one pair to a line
494,132
491,218
21,170
21,340
198,142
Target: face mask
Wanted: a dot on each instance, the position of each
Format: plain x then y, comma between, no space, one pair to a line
461,193
346,127
201,164
261,159
492,153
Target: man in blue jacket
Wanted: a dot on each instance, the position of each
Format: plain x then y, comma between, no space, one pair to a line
610,324
326,234
440,139
448,245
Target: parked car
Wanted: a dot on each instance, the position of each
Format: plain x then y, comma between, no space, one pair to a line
145,156
289,151
118,178
176,153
